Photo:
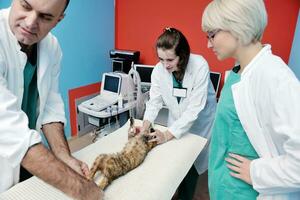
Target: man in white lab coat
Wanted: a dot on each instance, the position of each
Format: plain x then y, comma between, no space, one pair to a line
30,101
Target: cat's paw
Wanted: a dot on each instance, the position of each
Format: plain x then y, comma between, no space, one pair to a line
103,183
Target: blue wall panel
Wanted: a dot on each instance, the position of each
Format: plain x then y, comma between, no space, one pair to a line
294,61
4,3
86,35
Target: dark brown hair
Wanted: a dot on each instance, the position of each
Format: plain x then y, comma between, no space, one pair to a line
172,38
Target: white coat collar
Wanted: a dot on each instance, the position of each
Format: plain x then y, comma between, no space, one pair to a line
186,83
41,67
15,42
169,85
10,33
266,49
188,74
244,106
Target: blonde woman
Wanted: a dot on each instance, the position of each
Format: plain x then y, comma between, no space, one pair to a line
255,146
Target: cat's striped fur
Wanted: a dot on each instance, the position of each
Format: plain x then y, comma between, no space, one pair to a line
111,166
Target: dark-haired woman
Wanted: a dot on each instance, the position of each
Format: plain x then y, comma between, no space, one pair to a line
181,81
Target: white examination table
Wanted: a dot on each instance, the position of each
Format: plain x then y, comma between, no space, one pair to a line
156,178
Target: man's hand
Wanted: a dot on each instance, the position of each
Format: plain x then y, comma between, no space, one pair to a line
77,165
42,163
54,133
240,167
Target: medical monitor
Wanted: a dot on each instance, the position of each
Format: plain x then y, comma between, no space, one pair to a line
111,83
117,65
145,72
215,78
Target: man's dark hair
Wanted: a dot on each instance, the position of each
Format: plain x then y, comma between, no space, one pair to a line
67,3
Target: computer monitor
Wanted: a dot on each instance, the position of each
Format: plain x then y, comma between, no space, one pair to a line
145,72
111,83
215,78
117,65
122,59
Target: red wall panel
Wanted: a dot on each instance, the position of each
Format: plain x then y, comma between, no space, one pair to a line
139,23
75,94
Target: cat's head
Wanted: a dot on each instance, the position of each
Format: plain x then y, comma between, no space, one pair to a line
150,145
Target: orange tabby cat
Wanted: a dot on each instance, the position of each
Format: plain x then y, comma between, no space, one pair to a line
111,166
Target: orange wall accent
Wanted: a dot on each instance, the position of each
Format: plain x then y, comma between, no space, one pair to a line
78,93
139,23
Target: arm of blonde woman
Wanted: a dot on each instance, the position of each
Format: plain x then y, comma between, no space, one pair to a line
240,167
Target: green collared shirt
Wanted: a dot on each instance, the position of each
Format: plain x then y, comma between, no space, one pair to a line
30,95
228,136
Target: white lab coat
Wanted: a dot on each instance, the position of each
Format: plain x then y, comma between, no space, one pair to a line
15,136
267,102
195,113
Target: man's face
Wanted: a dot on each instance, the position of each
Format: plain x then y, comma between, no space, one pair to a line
31,20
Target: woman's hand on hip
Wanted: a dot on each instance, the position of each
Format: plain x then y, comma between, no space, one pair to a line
240,167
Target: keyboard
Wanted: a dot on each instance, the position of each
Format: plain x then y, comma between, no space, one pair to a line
100,102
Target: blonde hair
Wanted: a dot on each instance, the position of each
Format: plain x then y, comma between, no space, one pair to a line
244,19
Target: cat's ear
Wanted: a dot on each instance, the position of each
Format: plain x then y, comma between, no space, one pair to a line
152,130
130,133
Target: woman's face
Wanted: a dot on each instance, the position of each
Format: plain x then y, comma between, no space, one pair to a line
223,44
168,59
